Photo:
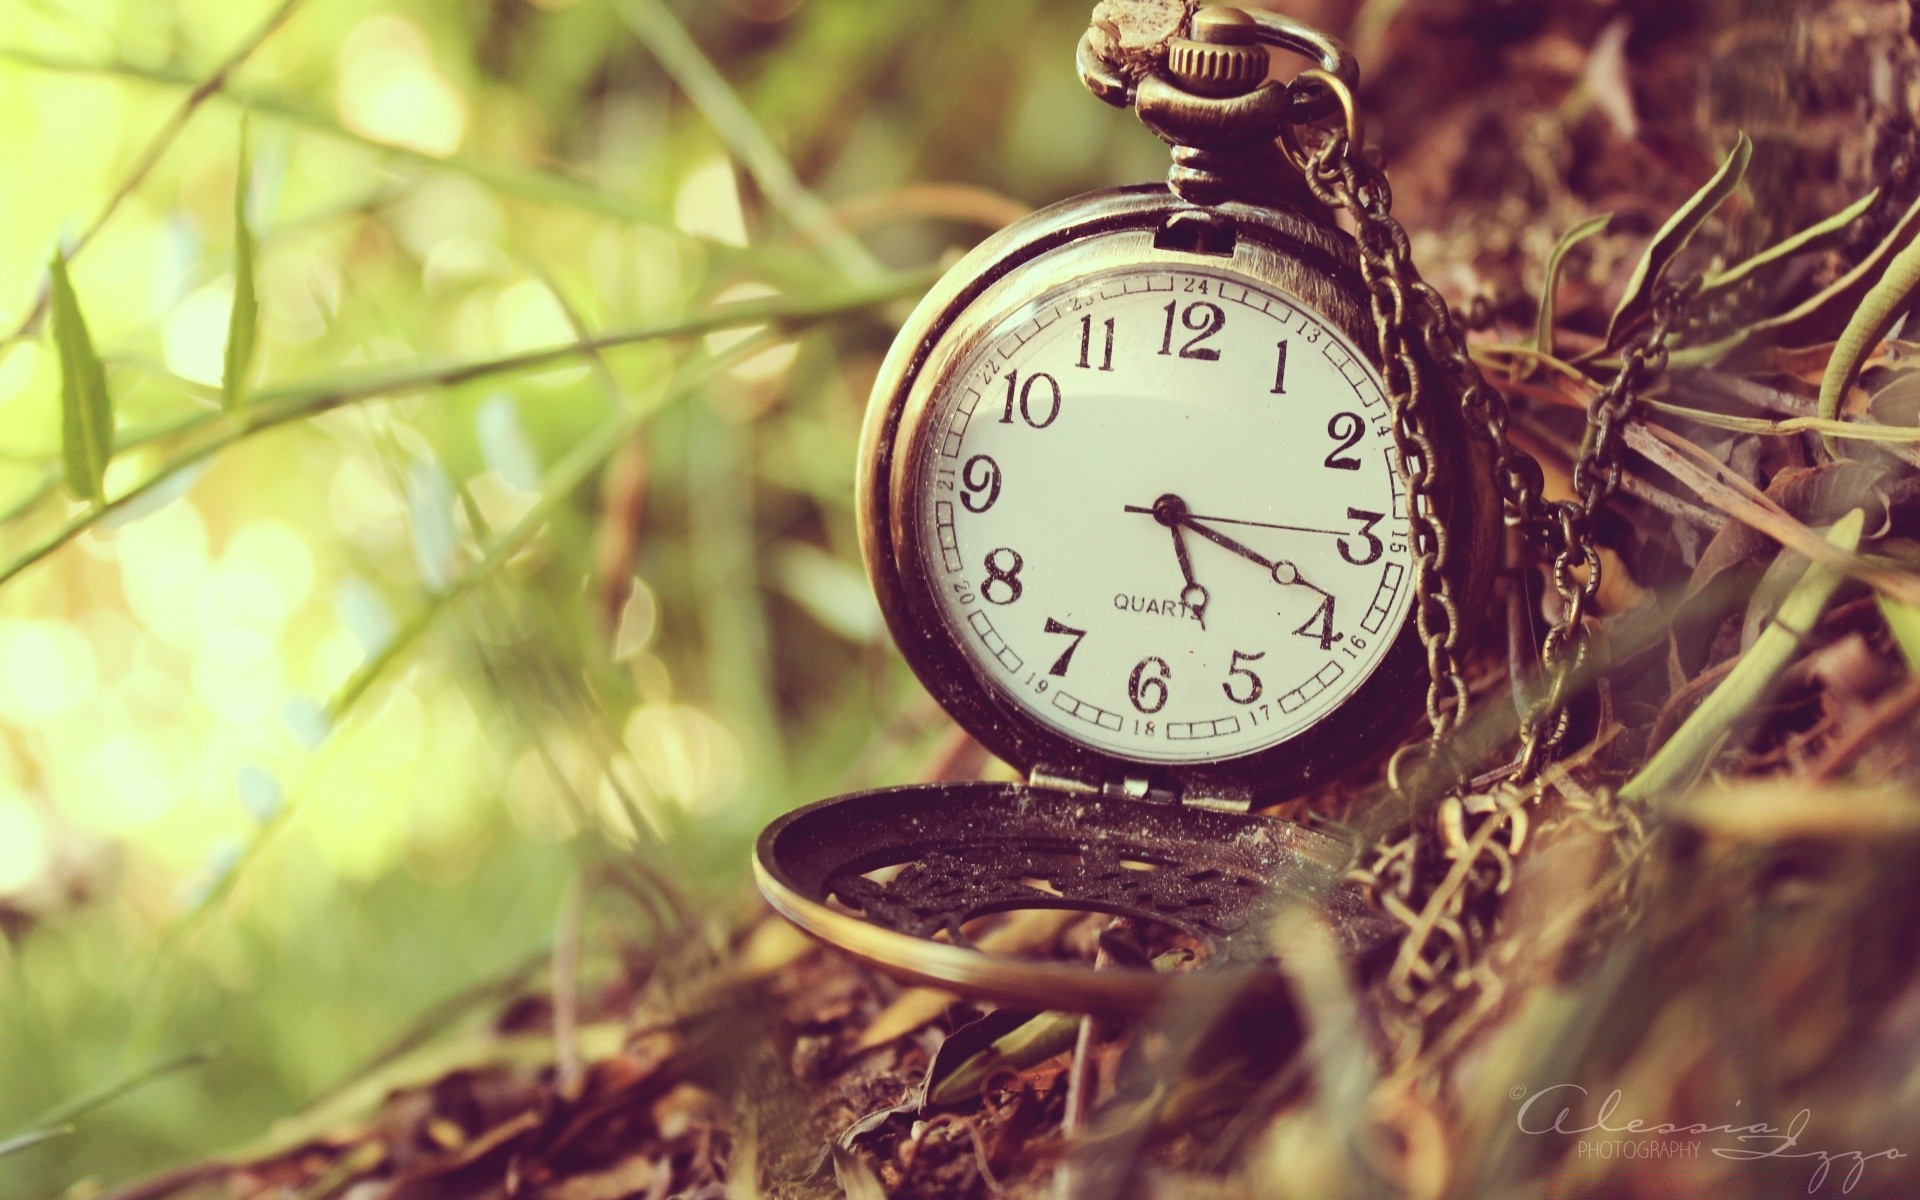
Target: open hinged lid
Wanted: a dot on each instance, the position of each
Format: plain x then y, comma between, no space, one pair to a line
902,878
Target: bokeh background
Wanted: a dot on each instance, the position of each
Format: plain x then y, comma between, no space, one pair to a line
469,651
316,739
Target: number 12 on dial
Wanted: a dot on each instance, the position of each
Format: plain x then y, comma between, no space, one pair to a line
1174,548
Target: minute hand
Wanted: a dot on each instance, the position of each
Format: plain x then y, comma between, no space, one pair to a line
1221,539
1290,575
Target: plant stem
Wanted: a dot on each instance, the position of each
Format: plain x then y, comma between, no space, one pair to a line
1675,765
157,147
541,187
271,409
653,23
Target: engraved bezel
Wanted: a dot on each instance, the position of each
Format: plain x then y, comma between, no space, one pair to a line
1310,266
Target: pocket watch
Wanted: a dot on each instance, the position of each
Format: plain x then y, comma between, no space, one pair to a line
1133,504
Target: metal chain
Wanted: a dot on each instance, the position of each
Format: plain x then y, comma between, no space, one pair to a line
1398,297
1410,313
1442,880
1596,475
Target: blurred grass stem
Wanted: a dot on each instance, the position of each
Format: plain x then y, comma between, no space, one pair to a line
58,1121
653,23
272,408
157,146
1677,763
540,187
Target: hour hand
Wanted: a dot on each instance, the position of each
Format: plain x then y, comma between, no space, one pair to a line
1193,595
1171,511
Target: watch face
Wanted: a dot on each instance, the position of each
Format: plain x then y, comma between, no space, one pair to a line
1160,514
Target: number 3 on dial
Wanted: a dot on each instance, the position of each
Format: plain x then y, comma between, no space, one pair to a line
1367,521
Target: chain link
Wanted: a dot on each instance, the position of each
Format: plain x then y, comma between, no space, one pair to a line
1441,880
1400,302
1575,569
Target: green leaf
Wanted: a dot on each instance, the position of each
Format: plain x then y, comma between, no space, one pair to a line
1543,332
243,323
1692,746
1674,236
28,1141
856,1179
1904,620
86,410
1035,1040
1819,317
1814,237
1883,304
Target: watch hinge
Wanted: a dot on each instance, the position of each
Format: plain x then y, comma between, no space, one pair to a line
1218,800
1129,788
1054,780
1138,787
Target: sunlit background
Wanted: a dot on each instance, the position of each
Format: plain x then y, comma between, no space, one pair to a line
302,743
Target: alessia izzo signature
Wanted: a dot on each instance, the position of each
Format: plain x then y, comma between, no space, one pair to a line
1554,1110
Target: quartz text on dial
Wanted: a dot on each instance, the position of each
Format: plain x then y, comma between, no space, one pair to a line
1162,516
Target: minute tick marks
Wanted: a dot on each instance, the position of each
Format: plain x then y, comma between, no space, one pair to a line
1109,505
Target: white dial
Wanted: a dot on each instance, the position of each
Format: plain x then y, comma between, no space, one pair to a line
1161,514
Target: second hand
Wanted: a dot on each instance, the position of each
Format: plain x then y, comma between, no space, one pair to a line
1284,573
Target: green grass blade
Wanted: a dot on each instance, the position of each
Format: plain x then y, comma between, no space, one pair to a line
162,140
1883,304
1675,765
313,397
653,23
1040,1037
243,323
563,481
1860,431
856,1179
86,410
28,1141
1543,331
540,187
1047,1035
568,475
1673,238
1818,318
58,1121
1814,237
1904,620
286,405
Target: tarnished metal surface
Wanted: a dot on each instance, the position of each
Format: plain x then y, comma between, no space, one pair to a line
896,875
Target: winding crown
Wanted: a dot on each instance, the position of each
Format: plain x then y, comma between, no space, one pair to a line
1220,56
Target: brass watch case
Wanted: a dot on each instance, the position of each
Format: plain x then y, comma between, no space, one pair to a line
1140,228
897,877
